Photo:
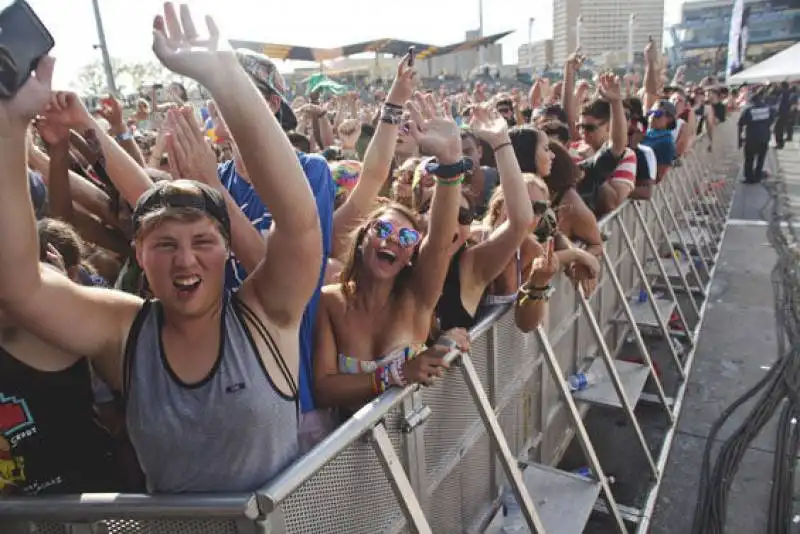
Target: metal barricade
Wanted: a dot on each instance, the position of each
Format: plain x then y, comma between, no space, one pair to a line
435,459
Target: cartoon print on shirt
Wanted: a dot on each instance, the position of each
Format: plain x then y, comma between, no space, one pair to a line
16,424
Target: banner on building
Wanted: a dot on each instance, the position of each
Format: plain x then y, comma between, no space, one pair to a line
737,39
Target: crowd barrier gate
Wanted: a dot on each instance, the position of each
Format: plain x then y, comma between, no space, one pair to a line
435,459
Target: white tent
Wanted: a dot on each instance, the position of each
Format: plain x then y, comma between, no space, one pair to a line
782,66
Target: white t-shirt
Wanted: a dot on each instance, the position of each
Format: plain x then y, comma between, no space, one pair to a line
679,124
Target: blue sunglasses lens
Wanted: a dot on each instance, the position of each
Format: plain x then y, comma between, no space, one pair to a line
383,229
408,237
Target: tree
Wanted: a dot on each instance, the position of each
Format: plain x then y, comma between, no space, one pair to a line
92,77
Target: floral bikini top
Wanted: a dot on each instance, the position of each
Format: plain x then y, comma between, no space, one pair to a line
353,366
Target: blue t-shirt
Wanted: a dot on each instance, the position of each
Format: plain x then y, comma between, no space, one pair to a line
245,196
663,145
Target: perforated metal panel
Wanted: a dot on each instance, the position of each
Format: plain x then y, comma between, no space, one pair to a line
351,494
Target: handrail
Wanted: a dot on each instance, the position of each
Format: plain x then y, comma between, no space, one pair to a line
356,426
262,502
129,506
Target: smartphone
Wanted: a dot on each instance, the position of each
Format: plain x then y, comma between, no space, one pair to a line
411,54
23,42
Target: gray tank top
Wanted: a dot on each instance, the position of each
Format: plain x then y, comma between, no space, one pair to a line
232,431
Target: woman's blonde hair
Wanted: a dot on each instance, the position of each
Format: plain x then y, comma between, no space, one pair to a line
354,261
498,199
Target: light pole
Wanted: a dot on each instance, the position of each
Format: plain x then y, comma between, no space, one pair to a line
101,36
530,41
480,32
631,22
578,28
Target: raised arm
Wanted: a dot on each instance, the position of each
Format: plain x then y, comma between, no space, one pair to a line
377,160
43,301
651,81
285,280
488,259
440,136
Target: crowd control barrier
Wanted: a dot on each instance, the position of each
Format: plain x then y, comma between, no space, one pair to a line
441,459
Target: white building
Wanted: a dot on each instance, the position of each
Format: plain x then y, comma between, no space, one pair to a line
535,55
463,62
604,27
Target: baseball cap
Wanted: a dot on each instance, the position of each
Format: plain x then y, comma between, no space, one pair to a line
265,75
182,194
664,107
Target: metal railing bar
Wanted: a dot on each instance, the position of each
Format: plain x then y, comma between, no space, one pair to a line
90,506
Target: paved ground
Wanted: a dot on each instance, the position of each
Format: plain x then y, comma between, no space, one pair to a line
737,345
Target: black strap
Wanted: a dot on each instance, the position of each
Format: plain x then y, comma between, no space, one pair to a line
130,349
269,341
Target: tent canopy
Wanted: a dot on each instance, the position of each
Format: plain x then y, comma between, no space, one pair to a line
782,66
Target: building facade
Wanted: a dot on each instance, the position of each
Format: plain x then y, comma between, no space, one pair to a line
462,63
604,28
536,55
705,25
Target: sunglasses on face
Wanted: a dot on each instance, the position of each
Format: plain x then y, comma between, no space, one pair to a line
656,114
588,128
465,216
503,111
406,237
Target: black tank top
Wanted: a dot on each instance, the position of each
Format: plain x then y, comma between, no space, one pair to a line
50,438
450,310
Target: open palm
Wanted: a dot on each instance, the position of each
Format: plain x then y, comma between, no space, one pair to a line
489,125
31,99
434,129
178,46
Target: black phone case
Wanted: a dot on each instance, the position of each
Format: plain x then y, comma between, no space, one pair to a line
24,40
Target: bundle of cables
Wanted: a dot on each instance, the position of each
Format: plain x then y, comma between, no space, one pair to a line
780,387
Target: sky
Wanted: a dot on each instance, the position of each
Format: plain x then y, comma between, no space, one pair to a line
315,23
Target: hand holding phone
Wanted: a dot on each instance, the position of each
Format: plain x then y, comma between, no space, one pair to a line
23,42
411,54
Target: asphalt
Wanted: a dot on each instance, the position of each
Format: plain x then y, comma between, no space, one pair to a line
737,344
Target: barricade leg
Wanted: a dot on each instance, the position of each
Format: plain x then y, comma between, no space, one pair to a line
401,486
695,245
580,430
507,460
658,314
640,344
675,261
625,403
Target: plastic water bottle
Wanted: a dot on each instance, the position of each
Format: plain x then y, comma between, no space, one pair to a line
580,381
513,520
586,472
642,295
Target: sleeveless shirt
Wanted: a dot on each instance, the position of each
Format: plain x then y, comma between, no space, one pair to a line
50,438
232,431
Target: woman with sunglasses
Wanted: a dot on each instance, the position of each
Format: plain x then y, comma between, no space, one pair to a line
372,325
526,278
473,267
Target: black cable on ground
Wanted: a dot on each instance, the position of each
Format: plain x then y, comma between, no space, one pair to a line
779,386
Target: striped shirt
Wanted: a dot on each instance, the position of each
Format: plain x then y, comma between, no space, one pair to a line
626,169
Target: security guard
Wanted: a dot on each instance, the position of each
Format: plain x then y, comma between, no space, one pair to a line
755,122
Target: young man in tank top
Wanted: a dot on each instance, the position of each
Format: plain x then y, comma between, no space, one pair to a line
182,244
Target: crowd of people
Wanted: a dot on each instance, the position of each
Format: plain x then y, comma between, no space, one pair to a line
193,298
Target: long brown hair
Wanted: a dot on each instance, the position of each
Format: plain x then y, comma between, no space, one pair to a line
349,275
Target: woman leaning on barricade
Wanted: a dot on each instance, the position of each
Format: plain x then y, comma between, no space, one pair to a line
372,326
474,266
195,366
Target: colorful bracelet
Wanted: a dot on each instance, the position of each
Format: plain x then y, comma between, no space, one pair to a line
457,180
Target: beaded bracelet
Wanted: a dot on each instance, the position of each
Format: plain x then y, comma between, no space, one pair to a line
456,180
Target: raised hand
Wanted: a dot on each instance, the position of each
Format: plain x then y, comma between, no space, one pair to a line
544,267
609,87
180,48
188,150
403,86
650,51
17,112
575,60
111,110
67,110
52,132
489,125
434,129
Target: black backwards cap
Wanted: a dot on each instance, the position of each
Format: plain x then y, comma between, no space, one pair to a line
166,194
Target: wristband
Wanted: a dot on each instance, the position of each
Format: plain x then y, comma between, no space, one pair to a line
449,171
458,180
501,145
391,114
